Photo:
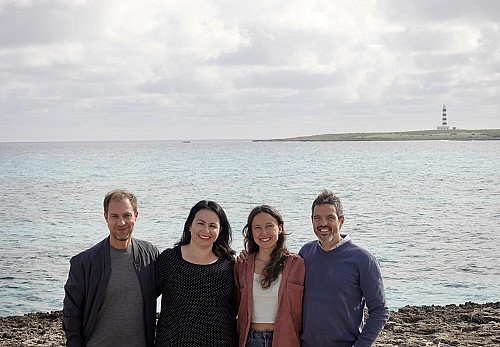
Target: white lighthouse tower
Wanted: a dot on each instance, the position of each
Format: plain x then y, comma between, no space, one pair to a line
444,125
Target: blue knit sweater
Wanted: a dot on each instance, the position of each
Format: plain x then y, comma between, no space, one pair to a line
338,285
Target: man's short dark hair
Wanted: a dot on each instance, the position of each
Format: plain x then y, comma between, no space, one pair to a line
327,197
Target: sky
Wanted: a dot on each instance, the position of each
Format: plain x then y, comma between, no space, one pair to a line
106,70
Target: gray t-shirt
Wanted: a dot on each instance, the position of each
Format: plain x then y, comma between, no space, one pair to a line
120,321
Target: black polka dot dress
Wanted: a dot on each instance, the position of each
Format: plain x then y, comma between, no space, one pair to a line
197,305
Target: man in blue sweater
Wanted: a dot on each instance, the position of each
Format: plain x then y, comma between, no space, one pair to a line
341,279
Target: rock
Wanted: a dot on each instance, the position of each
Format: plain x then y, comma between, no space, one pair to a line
468,324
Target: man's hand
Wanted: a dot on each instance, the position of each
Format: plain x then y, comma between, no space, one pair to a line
242,257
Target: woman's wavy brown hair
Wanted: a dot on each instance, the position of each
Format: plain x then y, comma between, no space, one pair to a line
278,256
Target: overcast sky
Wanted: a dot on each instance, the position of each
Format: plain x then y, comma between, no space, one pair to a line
174,70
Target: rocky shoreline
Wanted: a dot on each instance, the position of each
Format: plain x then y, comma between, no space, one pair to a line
468,324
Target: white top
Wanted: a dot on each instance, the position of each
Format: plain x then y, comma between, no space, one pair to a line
265,301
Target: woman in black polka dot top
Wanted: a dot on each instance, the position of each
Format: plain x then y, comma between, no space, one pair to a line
196,281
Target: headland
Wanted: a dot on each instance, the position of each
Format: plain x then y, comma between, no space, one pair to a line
418,135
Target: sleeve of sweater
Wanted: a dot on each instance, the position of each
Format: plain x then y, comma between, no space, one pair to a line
372,286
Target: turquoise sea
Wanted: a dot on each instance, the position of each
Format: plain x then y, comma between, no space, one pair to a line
429,210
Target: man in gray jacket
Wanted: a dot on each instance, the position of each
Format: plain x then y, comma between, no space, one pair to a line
110,297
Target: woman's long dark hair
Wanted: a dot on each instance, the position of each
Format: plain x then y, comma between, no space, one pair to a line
222,245
278,256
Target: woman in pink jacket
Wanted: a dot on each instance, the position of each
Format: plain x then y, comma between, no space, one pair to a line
269,284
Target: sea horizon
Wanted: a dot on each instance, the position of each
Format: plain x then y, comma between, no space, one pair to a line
254,139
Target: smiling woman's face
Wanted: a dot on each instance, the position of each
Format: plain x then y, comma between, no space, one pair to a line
205,228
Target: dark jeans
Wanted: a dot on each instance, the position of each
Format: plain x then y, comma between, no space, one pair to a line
259,338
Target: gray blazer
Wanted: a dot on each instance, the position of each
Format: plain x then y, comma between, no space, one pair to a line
85,289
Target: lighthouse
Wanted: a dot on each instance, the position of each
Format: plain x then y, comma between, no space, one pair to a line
444,125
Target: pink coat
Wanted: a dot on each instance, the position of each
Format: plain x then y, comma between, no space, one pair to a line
288,324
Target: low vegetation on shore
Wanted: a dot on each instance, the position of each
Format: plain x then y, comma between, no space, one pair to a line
451,134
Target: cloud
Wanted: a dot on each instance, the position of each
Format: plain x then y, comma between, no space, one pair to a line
81,69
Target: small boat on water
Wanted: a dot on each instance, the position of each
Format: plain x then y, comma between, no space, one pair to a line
186,141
